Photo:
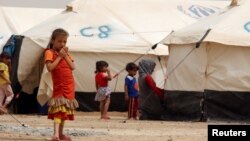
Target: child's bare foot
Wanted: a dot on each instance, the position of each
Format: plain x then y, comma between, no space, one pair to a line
134,118
129,118
105,117
65,138
53,138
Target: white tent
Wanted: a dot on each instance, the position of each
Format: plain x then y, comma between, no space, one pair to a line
16,20
118,31
219,67
54,4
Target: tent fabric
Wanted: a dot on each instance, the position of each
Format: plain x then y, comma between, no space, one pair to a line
225,29
227,105
227,68
122,26
45,88
16,20
182,76
117,31
16,87
218,68
183,105
209,63
55,4
208,67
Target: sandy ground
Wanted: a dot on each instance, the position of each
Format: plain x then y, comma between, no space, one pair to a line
88,127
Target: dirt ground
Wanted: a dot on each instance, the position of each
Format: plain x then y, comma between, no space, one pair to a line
88,127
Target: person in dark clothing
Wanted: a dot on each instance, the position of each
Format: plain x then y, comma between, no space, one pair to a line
151,97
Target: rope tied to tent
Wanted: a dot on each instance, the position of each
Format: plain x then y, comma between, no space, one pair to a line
153,47
117,74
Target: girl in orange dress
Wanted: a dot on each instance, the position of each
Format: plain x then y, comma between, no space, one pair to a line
63,103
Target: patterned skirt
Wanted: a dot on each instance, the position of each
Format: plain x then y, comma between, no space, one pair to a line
61,112
102,93
62,108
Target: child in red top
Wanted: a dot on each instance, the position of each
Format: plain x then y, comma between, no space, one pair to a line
60,64
102,90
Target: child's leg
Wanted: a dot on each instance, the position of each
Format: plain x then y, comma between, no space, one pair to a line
9,95
135,107
8,100
106,107
102,107
61,126
2,97
129,107
61,135
57,123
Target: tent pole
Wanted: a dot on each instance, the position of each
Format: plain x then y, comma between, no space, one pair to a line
196,46
201,40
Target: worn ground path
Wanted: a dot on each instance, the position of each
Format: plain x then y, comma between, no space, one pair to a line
88,127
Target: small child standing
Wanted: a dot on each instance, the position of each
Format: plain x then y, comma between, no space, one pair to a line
103,91
6,93
60,63
131,89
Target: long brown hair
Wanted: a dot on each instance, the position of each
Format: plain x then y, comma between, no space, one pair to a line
57,32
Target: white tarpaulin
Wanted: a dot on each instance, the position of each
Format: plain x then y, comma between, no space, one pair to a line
16,20
118,31
221,63
230,27
131,24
